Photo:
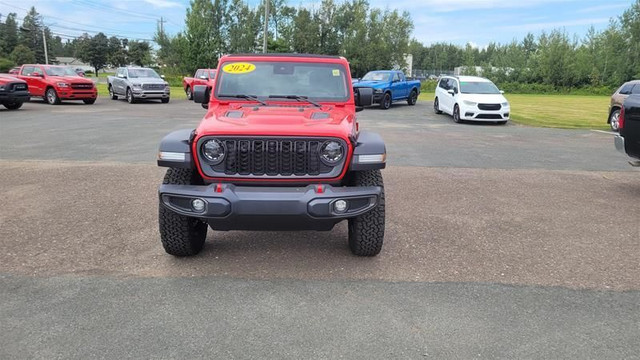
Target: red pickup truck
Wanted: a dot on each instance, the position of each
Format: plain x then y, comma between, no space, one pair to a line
56,83
202,77
13,92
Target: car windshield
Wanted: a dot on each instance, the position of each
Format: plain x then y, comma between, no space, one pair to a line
264,80
478,87
59,71
377,76
143,73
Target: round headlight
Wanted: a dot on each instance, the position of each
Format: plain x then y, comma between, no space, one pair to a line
213,150
331,152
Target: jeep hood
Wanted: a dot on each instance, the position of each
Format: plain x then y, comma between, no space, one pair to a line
282,120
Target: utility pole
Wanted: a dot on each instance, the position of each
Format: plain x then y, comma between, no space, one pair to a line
46,53
162,21
266,26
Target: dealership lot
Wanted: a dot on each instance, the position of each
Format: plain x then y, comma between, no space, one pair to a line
504,235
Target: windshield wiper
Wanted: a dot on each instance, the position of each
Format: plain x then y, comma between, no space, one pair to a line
243,96
296,97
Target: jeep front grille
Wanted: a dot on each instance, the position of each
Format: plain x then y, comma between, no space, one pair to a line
272,157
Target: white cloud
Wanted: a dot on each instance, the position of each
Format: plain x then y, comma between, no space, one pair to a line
163,3
555,25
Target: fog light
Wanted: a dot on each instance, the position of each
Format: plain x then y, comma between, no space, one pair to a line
197,205
340,206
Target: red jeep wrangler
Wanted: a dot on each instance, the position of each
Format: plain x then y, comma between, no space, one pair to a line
56,83
279,149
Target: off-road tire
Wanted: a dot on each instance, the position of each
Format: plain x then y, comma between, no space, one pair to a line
366,232
436,106
189,93
386,101
130,98
413,97
112,95
89,101
13,105
165,100
181,235
51,96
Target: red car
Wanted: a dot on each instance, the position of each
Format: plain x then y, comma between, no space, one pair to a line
279,149
13,92
202,77
56,83
14,71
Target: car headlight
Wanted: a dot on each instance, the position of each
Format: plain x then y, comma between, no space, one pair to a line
469,103
213,150
62,85
331,152
505,104
136,86
377,91
1,88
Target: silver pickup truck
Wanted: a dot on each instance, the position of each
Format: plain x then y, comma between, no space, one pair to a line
135,83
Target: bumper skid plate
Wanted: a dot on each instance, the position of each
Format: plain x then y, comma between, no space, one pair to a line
230,207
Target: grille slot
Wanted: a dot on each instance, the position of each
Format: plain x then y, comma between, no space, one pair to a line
489,106
153,86
81,86
274,157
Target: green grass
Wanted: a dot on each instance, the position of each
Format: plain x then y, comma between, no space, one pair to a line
176,91
556,111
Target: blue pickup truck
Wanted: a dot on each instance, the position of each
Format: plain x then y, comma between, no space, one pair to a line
389,86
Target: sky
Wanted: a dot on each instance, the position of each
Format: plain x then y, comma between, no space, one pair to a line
478,22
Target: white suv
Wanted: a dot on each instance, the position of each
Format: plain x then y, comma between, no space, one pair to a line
471,98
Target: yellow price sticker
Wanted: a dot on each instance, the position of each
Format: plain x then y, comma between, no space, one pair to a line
336,72
238,68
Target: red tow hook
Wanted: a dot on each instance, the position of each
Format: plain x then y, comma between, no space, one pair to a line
218,188
319,189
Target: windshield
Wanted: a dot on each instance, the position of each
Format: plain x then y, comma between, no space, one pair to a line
59,71
143,73
377,76
273,79
478,87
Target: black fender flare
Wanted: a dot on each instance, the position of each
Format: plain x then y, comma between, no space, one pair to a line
176,143
368,143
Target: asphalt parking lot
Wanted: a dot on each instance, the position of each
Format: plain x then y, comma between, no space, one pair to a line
501,242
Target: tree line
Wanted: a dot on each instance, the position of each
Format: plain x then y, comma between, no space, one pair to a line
24,44
371,38
604,58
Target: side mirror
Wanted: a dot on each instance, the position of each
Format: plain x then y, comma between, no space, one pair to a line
162,76
501,92
122,76
363,97
203,77
201,95
451,92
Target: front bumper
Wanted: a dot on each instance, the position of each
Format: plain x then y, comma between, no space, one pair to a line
10,97
619,141
71,94
151,94
230,207
473,113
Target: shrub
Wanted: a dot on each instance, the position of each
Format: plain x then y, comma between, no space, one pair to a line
6,65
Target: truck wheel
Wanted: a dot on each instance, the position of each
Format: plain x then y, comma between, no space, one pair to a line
189,93
366,232
385,104
89,101
13,105
52,97
614,120
164,100
413,97
456,114
180,235
436,106
112,95
130,98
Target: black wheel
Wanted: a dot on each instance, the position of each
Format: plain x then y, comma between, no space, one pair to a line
181,235
413,98
456,114
614,119
385,104
189,93
436,106
89,101
13,105
130,98
164,100
366,232
112,95
52,96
